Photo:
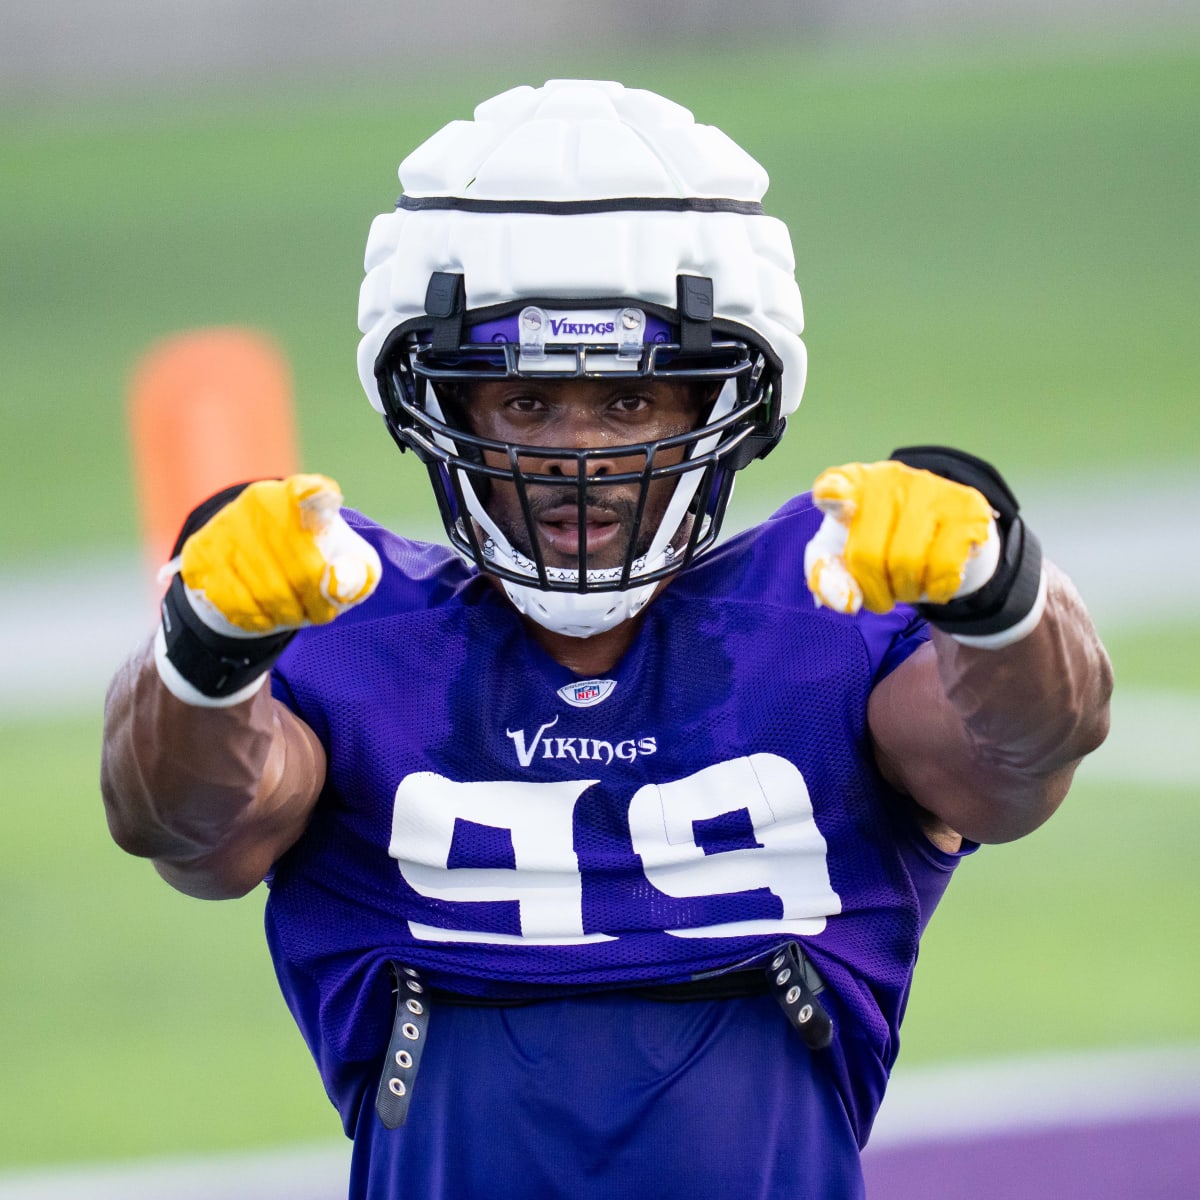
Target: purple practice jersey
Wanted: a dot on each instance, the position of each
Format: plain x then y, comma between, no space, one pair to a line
517,833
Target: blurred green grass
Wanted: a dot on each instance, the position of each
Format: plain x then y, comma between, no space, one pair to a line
147,1021
1000,252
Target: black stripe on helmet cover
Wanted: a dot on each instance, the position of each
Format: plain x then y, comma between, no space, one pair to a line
572,208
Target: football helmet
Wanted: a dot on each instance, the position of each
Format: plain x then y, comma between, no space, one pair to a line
581,230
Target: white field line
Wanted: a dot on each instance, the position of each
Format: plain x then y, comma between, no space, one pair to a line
64,627
1129,544
1149,741
316,1172
965,1100
955,1102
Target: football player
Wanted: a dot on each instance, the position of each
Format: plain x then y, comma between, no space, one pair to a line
598,851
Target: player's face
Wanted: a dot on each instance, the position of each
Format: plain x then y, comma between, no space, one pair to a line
577,414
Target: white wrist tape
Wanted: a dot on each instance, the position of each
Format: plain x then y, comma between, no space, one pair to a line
1014,633
181,689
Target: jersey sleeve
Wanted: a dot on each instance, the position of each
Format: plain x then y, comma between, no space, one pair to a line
891,637
929,868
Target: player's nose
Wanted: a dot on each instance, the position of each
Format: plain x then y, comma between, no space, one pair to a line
581,435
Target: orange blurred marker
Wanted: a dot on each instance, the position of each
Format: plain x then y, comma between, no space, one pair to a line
206,409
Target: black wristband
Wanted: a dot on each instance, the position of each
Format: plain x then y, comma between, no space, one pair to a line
215,665
1009,596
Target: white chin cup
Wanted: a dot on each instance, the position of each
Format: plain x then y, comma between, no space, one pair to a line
576,614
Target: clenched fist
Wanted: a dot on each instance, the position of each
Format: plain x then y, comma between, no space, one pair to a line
276,557
893,534
279,556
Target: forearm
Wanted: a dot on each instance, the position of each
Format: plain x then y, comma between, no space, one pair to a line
988,740
212,795
1041,704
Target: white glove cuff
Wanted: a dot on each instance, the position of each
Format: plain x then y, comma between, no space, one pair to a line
1014,633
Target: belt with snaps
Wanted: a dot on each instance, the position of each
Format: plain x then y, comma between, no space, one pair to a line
409,1029
795,983
789,976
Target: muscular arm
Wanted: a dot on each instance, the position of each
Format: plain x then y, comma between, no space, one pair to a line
212,795
986,741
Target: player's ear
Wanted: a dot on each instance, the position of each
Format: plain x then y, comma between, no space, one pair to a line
453,398
704,397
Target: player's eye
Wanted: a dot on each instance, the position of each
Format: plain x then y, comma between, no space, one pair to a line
634,402
524,403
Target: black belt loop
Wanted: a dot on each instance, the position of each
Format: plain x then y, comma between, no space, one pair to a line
409,1030
791,978
795,984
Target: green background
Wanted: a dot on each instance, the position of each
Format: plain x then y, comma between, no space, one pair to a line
996,250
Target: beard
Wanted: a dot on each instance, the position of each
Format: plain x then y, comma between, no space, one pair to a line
601,503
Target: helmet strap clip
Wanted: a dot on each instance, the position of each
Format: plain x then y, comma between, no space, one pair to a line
445,302
694,302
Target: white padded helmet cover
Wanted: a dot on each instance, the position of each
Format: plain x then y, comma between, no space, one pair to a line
578,140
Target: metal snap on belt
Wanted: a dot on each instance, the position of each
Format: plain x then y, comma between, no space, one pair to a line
796,985
409,1026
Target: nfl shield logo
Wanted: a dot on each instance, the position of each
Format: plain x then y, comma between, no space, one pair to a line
587,692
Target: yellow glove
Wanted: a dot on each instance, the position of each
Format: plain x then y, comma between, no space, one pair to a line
277,557
893,534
